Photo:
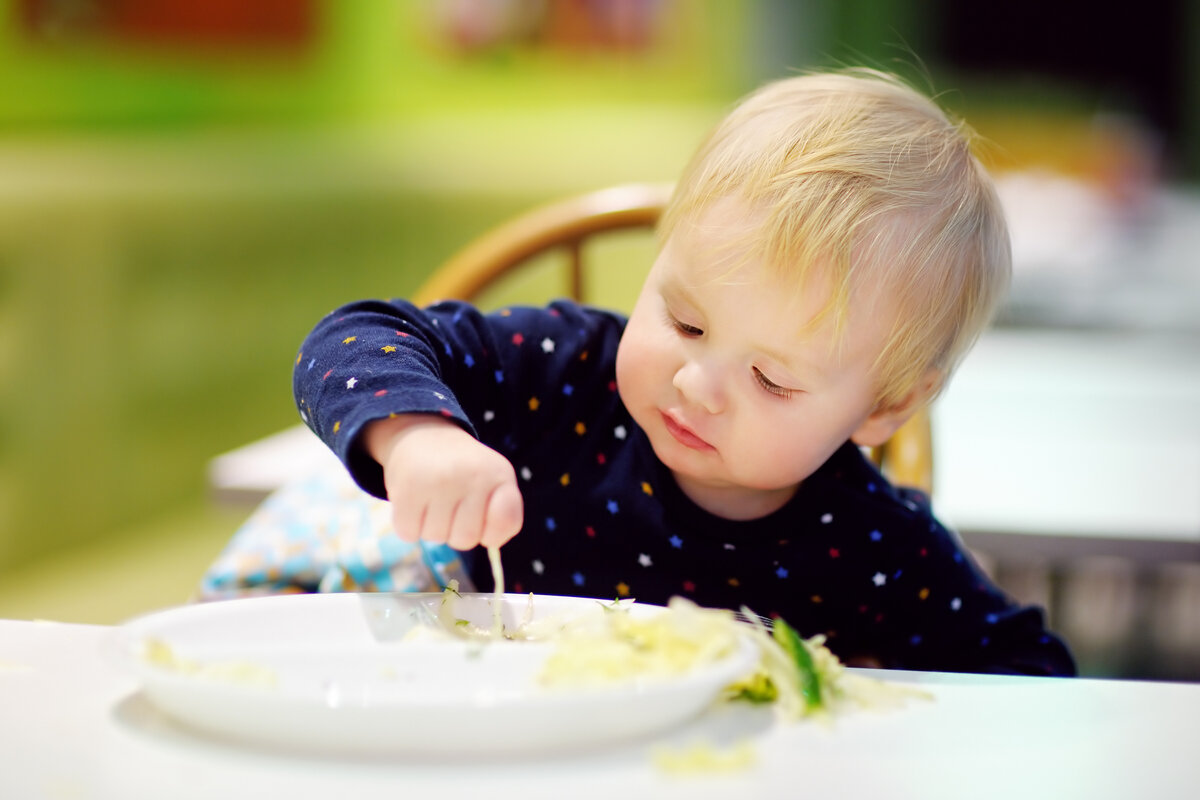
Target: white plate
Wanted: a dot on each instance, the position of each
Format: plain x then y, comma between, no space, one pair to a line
343,679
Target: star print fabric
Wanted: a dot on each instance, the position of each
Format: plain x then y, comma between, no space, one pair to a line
849,556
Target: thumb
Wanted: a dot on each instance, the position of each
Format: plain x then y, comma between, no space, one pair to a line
504,517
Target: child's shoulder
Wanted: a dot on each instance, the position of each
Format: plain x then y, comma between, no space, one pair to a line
852,477
556,313
564,312
558,323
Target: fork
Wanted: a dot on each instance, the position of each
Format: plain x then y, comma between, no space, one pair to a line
748,617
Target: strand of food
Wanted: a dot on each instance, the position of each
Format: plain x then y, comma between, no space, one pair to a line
497,591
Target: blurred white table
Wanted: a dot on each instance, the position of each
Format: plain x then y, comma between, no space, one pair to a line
1059,443
1048,443
73,726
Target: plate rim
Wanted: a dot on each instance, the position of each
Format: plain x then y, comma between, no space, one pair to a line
125,638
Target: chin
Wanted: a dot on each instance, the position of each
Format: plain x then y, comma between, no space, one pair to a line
684,463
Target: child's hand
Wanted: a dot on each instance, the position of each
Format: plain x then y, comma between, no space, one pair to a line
444,485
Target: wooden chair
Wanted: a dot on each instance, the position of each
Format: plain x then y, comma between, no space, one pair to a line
568,225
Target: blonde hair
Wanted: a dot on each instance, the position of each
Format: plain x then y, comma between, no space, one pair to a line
858,174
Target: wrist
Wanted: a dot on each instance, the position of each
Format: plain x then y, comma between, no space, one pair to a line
380,436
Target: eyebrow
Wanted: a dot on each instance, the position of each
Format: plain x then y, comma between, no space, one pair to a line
672,285
802,371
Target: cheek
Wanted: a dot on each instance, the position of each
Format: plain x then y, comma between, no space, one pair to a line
782,446
629,358
801,444
772,456
639,363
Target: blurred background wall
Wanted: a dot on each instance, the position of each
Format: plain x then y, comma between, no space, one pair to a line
185,188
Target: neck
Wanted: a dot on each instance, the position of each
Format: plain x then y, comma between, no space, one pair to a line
734,502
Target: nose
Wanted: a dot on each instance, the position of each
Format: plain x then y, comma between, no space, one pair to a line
701,385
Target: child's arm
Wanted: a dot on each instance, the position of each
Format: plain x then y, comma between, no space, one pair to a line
968,623
465,497
431,407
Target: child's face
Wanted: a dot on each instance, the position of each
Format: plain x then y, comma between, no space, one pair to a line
737,398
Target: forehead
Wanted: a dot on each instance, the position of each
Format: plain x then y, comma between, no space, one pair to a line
745,302
717,256
720,250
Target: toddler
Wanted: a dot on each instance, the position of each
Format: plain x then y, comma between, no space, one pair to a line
827,258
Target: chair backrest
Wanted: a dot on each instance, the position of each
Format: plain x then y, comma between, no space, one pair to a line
906,458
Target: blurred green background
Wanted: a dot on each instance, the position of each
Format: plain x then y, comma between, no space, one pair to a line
185,188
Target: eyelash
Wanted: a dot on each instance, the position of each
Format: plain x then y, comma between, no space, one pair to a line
766,383
771,386
683,327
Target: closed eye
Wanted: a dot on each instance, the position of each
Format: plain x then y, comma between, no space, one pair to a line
771,386
683,327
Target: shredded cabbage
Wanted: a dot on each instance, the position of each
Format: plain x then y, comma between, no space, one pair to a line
804,677
705,757
156,651
615,645
608,644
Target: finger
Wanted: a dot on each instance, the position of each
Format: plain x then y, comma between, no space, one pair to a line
406,519
467,526
505,514
435,527
406,513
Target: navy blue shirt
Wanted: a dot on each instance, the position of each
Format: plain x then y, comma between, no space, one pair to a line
849,556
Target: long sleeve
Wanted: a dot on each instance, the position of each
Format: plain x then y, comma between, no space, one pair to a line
952,617
500,375
922,601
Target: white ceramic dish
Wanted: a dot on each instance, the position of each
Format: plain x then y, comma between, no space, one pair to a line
343,680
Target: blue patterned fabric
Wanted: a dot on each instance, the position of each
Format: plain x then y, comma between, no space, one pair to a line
321,533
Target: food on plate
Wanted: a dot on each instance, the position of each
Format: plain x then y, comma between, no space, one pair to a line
610,643
600,644
156,651
614,645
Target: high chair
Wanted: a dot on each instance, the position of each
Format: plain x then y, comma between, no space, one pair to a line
568,226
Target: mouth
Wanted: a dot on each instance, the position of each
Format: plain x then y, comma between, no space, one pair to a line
684,435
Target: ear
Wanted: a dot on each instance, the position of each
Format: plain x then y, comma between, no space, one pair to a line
884,421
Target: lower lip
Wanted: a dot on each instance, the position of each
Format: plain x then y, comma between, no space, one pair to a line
684,436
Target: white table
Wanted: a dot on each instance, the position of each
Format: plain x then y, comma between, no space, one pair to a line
1063,443
73,726
1048,443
